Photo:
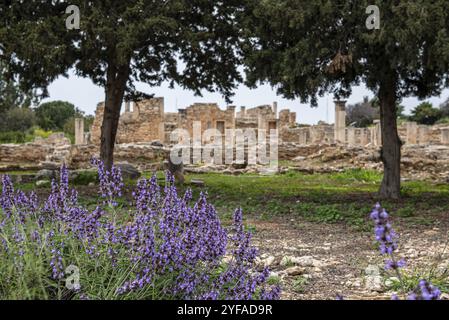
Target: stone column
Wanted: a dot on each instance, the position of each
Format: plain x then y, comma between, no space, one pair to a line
412,133
351,136
423,134
261,122
127,106
364,137
79,131
445,135
303,133
292,118
275,109
340,121
376,134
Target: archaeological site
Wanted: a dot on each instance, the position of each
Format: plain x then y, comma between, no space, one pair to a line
237,151
144,140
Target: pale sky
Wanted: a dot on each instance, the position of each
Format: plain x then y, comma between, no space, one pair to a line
85,95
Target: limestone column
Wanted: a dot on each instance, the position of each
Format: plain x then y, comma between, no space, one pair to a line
79,131
412,133
340,121
364,137
423,134
303,133
445,135
292,118
275,109
351,136
261,122
376,136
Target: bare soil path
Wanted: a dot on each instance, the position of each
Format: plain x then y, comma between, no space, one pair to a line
319,261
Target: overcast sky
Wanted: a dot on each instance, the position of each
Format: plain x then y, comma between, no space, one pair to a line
85,95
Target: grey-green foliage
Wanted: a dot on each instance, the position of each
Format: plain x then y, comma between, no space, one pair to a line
192,43
17,119
309,48
425,113
11,95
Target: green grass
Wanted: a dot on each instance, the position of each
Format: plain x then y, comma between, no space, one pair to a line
345,197
299,284
410,280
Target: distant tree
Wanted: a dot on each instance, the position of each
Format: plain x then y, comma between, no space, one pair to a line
308,48
11,96
425,113
362,114
54,115
192,43
17,119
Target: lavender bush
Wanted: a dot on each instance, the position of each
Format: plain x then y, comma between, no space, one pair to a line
160,246
386,237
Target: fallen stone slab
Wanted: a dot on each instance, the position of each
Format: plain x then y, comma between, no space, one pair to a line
198,183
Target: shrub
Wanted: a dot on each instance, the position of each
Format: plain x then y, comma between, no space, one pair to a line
362,114
12,137
162,247
54,114
386,237
425,113
444,120
41,133
17,119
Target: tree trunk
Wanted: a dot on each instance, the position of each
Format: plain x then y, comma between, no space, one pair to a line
391,143
115,90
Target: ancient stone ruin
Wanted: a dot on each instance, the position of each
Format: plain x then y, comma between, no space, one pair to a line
148,122
144,140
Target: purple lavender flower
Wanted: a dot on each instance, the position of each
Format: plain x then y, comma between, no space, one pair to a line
56,264
111,182
171,246
386,237
425,291
394,265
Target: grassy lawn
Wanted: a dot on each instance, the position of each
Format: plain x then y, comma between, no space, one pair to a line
330,198
345,197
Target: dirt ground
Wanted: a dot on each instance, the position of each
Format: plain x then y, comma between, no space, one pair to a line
321,261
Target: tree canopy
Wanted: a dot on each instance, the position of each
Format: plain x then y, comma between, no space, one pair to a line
425,113
54,115
192,43
11,95
309,48
362,114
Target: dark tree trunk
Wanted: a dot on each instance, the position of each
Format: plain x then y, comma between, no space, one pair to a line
391,143
115,90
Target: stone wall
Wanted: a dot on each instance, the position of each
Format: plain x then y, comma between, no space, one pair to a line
262,119
413,133
145,156
209,115
36,156
145,123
